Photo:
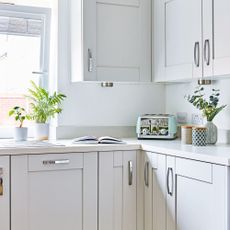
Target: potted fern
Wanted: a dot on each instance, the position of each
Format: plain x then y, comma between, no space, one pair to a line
20,115
43,107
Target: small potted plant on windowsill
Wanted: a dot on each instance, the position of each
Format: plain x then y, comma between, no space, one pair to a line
20,115
43,107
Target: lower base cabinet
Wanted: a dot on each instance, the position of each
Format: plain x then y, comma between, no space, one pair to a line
117,190
182,194
54,192
4,193
121,190
154,191
197,195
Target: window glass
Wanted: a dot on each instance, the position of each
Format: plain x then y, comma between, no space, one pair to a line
24,55
19,57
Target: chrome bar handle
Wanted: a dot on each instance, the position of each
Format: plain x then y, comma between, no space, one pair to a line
1,186
39,73
1,181
197,54
207,52
130,172
146,174
56,162
90,61
170,190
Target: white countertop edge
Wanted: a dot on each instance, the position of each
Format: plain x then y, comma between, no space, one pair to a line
68,149
218,154
187,155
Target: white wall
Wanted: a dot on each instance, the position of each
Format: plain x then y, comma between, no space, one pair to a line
88,104
175,101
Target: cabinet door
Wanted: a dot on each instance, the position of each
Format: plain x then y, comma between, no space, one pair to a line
181,56
171,194
54,192
196,195
208,41
118,40
221,54
4,194
117,191
154,192
201,201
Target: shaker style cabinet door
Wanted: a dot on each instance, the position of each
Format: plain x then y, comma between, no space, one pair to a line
221,33
4,193
117,35
154,191
196,195
117,191
54,192
183,29
177,39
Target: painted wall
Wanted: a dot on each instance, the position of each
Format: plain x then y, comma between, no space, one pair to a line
175,101
88,104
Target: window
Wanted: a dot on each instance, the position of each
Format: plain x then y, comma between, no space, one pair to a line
24,54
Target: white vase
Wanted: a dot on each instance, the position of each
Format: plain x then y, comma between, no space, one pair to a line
41,131
20,134
212,133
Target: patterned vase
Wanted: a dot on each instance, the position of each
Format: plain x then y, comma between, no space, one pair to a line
212,133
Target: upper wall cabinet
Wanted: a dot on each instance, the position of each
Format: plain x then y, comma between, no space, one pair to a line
117,40
179,40
191,39
221,32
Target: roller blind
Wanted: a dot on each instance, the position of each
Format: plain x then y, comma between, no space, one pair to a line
21,26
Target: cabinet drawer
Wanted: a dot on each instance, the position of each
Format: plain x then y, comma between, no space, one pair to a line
51,162
194,169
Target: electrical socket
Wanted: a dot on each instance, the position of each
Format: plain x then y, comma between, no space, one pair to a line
182,117
197,119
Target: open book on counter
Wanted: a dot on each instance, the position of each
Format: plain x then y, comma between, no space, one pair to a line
95,140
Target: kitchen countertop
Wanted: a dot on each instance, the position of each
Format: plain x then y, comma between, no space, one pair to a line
217,154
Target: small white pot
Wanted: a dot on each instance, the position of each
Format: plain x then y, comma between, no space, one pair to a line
20,134
41,131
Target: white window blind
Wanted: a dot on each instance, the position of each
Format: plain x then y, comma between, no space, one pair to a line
21,26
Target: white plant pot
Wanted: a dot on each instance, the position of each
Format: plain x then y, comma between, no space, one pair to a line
20,134
41,131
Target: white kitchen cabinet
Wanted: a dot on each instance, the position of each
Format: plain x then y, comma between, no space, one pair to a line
177,39
117,40
4,193
154,191
196,195
54,192
191,39
117,191
221,37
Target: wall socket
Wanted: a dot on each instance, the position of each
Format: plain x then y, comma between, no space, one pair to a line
182,117
197,119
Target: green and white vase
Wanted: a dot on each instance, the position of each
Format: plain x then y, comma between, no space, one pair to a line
212,133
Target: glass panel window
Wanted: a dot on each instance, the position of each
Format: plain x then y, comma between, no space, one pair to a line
23,55
20,56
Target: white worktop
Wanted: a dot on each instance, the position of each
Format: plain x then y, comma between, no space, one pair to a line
217,154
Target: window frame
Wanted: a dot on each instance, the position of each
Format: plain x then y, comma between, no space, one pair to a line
43,14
